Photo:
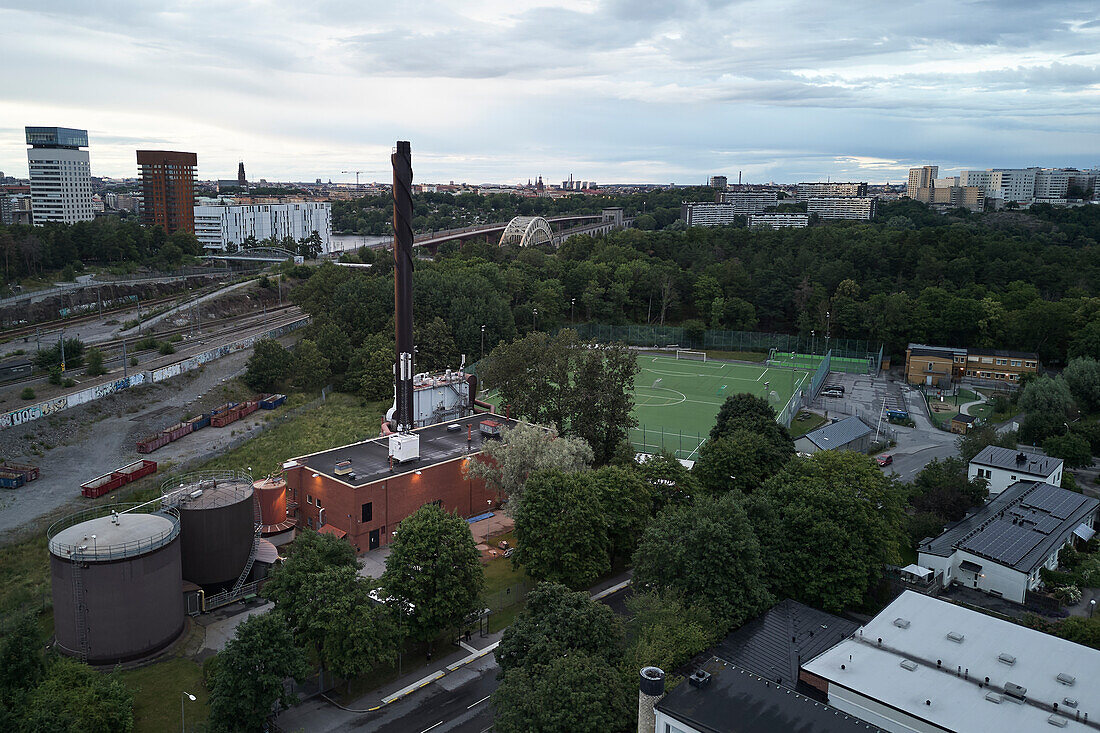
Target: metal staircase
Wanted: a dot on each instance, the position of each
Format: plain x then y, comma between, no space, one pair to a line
80,607
257,523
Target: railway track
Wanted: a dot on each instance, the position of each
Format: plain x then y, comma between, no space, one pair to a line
44,327
241,324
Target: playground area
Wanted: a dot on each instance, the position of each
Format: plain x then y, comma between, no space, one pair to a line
676,400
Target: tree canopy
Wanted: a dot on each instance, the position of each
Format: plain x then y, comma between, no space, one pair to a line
505,464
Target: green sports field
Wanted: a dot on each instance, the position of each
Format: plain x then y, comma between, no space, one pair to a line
811,362
677,400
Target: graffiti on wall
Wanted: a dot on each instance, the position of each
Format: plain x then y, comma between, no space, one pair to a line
33,412
57,404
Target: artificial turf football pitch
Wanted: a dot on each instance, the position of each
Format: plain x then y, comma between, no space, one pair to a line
676,400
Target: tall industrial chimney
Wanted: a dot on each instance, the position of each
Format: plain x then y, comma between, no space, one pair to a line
402,285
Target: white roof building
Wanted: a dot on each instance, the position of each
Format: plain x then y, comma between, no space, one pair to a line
924,664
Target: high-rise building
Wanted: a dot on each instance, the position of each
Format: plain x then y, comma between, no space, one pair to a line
919,178
60,172
807,191
719,182
168,188
845,207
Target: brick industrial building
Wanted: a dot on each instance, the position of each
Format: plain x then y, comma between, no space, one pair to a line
168,187
356,492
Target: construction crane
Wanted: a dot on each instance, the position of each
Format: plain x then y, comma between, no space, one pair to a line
356,177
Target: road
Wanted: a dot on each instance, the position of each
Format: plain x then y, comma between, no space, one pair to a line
456,703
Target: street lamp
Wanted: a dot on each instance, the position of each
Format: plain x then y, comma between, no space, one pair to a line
482,341
572,302
184,697
1092,607
535,318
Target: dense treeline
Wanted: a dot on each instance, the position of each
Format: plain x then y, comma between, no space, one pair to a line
436,211
27,251
1006,280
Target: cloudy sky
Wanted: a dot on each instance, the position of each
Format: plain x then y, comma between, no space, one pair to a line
609,90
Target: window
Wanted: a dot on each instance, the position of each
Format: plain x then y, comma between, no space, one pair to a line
309,498
1002,362
318,502
309,522
368,511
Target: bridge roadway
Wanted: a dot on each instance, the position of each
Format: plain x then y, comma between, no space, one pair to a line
434,239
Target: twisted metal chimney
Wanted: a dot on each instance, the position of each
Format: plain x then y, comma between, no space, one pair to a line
402,285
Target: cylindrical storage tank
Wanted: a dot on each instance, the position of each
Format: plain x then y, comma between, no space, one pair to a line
116,580
218,524
271,495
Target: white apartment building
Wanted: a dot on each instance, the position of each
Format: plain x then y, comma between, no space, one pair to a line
779,221
807,191
217,227
749,202
60,173
842,208
708,214
1003,185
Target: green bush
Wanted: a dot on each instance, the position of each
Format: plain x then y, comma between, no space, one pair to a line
27,393
68,382
55,375
175,339
133,361
167,348
1056,578
146,342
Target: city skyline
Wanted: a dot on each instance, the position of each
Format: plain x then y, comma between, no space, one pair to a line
608,91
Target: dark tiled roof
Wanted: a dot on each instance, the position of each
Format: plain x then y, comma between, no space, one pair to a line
775,644
1033,464
1019,528
737,700
838,434
968,419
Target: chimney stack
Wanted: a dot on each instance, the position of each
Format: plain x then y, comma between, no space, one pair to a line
650,691
402,285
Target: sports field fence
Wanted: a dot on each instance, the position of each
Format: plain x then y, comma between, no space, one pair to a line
864,354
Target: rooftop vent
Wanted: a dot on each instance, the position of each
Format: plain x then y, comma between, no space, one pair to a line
909,664
994,697
1066,679
1058,721
955,636
700,679
1021,457
1016,692
901,623
1005,658
1069,702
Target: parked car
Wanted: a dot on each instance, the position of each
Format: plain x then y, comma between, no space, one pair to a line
835,387
831,392
885,459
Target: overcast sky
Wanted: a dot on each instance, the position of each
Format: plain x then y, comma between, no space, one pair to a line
608,90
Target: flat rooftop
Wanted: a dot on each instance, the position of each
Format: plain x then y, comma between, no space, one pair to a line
914,629
102,539
1019,528
738,700
370,459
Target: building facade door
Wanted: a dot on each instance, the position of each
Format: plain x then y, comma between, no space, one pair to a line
372,540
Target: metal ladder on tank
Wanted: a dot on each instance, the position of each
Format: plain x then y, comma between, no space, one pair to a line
257,521
80,607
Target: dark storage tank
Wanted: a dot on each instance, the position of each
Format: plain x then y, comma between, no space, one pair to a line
218,524
116,580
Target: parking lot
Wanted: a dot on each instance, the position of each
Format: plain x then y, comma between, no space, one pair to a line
868,398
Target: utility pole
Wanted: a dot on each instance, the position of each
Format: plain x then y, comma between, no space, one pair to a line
125,365
61,340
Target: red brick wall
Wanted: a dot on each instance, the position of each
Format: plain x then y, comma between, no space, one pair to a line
393,499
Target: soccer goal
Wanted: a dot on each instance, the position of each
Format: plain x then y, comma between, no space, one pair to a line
694,355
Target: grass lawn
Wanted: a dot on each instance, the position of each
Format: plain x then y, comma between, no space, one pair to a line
339,420
158,690
801,427
24,576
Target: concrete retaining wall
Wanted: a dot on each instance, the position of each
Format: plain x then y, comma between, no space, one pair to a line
64,402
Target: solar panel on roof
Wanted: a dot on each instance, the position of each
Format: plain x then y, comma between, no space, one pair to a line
1004,542
1057,502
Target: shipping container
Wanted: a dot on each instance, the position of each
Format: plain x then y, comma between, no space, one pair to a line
136,470
177,431
99,486
247,408
272,401
225,418
11,479
151,444
200,422
222,409
30,473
